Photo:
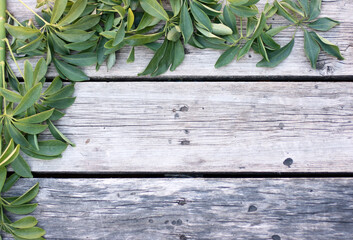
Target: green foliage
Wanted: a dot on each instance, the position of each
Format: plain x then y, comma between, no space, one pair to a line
74,34
28,109
304,15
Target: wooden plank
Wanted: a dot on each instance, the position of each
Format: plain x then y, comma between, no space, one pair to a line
199,63
170,209
207,127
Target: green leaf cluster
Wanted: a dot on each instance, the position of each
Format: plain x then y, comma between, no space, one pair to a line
75,34
29,107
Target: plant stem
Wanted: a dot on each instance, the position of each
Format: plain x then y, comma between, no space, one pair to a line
2,50
11,16
12,55
2,36
30,9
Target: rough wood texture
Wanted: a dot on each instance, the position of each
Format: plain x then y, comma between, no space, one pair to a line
199,63
185,209
208,126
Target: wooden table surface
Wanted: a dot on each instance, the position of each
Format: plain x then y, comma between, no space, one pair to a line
271,149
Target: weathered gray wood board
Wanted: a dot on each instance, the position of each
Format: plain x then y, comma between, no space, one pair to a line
207,126
180,209
199,63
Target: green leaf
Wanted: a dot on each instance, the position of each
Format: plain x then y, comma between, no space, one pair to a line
208,34
16,135
210,43
268,41
243,11
55,86
111,60
270,10
81,46
260,26
153,46
221,29
305,6
166,60
60,103
81,59
22,209
323,24
283,12
75,35
22,33
251,2
120,34
108,34
238,2
130,19
251,25
178,55
312,48
57,134
210,11
153,64
145,21
153,8
327,46
50,148
245,49
3,174
10,96
9,150
66,91
28,75
29,233
30,128
70,72
293,7
131,57
176,6
262,48
10,181
57,45
174,34
119,9
27,196
274,31
84,23
227,57
75,12
139,39
230,19
21,167
315,9
28,99
40,70
32,46
7,159
26,222
58,10
186,25
200,16
277,56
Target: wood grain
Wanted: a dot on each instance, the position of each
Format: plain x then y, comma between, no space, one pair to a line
207,127
185,209
200,63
